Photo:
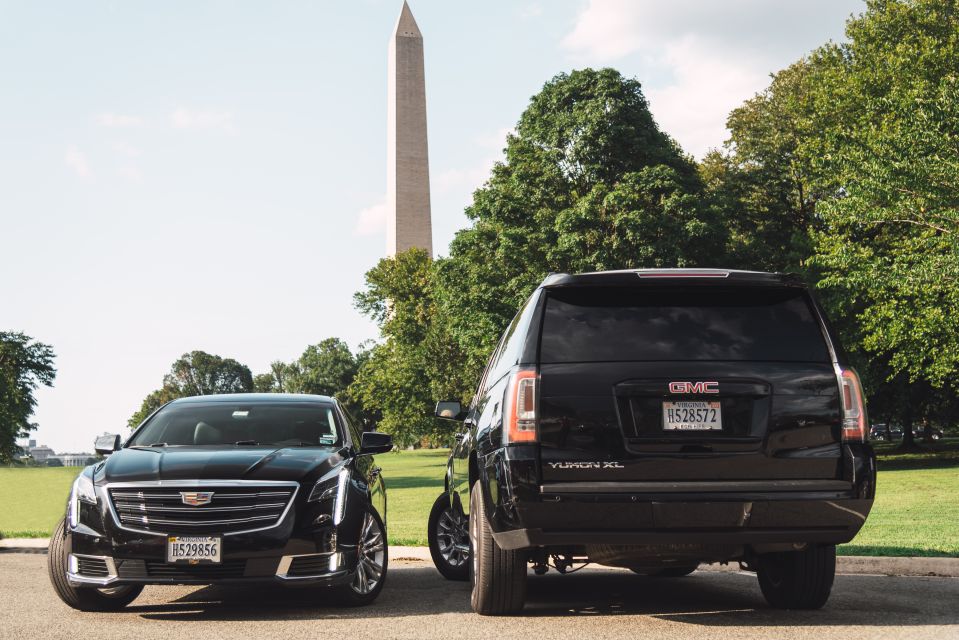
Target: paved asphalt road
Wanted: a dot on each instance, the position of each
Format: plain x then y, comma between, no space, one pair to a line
418,603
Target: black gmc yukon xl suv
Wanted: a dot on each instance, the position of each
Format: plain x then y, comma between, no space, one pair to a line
656,420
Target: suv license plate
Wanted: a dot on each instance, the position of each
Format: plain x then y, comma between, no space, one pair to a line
692,416
193,549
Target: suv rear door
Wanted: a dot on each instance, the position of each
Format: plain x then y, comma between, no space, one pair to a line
697,382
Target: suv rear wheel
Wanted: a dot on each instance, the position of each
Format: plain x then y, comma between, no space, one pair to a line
798,579
498,576
83,598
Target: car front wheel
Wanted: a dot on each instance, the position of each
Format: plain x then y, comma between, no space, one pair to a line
798,579
371,563
498,576
83,598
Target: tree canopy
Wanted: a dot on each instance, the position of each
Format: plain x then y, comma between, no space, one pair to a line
196,373
24,366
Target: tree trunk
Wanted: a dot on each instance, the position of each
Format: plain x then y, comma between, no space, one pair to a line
908,441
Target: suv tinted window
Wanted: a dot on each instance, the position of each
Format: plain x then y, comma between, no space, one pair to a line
511,345
705,323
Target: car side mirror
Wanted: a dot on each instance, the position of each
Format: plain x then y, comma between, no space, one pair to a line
450,410
373,442
106,444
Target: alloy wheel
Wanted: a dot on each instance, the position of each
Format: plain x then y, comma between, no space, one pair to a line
370,552
452,537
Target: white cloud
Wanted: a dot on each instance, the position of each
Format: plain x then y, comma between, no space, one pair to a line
533,10
694,107
126,149
210,120
118,120
461,182
698,60
77,161
372,219
131,173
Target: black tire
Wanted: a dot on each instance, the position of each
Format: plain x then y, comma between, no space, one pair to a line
498,576
798,579
371,542
671,572
448,532
83,598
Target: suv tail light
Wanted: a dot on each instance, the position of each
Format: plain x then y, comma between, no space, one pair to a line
853,407
521,407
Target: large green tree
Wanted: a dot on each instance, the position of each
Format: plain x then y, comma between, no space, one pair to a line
24,365
417,362
589,182
196,373
887,105
765,187
326,368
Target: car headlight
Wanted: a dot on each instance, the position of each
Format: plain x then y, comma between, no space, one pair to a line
332,486
83,491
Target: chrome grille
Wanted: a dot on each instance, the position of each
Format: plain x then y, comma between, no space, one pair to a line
232,508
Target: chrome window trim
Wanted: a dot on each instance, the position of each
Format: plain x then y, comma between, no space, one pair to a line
153,484
75,578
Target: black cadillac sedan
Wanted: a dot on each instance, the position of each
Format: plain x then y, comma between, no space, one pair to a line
246,488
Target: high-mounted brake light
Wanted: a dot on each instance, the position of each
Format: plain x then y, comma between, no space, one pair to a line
683,274
521,407
853,407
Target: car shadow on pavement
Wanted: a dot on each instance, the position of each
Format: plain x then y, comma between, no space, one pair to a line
704,598
734,599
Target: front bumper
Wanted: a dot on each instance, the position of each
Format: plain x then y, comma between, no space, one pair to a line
86,570
304,548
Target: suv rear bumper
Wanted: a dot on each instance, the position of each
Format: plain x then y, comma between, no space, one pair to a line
637,520
752,512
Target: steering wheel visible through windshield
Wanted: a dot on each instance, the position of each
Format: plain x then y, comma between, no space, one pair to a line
286,424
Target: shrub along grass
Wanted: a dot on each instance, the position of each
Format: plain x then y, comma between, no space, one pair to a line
916,511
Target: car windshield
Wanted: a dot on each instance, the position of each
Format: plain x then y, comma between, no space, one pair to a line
225,423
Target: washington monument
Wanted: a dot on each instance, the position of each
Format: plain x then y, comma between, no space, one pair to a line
408,176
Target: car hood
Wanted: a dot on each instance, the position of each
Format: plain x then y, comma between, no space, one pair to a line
214,463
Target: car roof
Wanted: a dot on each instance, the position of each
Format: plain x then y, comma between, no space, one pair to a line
658,277
256,398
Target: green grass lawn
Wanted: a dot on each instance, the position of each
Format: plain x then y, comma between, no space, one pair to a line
916,510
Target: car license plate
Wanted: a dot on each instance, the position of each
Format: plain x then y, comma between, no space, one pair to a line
692,416
193,549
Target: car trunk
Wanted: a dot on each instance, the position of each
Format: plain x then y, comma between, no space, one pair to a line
688,384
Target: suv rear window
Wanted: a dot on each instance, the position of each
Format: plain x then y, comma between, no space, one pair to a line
704,323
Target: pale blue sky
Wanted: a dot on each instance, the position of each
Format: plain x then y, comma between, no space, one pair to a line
210,175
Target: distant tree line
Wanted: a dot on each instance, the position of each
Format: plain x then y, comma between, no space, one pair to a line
326,368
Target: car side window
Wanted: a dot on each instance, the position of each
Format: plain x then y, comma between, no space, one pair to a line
514,338
356,434
482,384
